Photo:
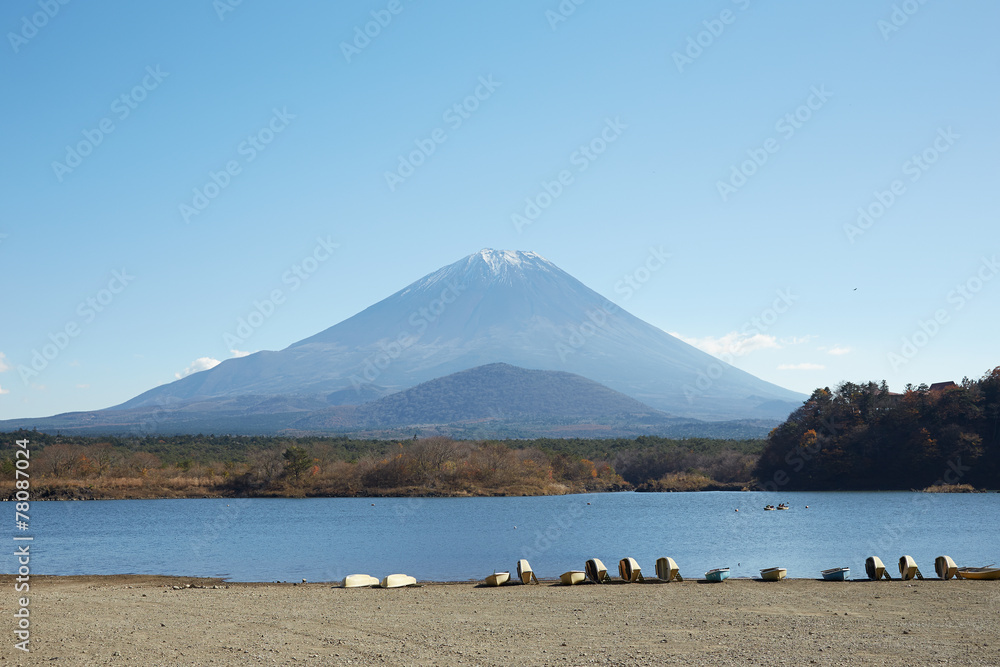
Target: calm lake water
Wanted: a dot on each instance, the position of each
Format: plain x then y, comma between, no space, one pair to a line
456,539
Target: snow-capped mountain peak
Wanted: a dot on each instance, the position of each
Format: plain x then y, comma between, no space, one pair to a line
493,306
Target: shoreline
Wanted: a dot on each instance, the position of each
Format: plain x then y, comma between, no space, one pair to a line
144,620
492,495
7,581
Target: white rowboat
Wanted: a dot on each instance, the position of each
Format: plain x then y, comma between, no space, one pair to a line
398,581
359,581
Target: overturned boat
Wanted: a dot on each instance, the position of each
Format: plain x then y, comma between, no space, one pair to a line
908,568
629,570
572,577
524,572
359,581
875,569
398,581
596,571
667,570
945,567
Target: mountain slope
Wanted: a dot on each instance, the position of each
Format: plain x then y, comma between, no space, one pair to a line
493,306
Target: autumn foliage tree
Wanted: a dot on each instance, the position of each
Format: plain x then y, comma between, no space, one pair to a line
864,437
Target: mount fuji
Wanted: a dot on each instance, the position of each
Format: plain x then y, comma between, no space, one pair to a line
494,306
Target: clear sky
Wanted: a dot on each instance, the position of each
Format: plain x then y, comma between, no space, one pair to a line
168,165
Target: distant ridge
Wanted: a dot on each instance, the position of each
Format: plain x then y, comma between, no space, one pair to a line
492,401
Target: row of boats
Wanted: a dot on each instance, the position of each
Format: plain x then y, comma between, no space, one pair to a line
595,571
944,566
667,571
368,581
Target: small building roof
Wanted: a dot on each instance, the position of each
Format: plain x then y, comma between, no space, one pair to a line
941,386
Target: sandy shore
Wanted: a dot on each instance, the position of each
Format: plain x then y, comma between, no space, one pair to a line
140,620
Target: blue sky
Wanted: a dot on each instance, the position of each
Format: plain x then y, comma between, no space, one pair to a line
168,167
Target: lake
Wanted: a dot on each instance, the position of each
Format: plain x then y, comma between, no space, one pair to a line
457,539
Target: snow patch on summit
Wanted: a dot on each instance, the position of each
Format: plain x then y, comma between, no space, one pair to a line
497,258
486,267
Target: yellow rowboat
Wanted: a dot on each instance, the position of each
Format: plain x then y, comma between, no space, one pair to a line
497,578
573,577
398,581
979,572
359,581
875,569
524,572
773,573
596,571
629,570
945,567
908,568
667,570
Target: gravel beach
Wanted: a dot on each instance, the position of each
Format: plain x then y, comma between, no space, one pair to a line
144,620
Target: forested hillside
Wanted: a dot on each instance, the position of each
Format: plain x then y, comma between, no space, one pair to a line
865,437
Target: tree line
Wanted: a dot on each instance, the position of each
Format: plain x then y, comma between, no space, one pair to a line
188,465
864,437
